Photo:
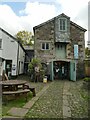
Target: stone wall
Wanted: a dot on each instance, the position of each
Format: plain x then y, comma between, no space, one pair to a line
45,33
80,69
62,36
77,37
49,32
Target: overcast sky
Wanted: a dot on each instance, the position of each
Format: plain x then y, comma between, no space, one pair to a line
25,14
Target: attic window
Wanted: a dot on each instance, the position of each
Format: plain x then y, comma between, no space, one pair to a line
63,24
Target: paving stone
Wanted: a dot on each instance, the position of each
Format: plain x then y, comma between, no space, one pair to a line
65,103
66,112
17,111
66,108
29,104
64,97
33,100
11,117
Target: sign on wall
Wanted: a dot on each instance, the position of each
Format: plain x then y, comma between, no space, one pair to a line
75,51
13,69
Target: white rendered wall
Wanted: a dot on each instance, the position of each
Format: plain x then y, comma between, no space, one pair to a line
0,38
21,60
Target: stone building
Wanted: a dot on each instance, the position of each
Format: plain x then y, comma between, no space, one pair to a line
29,54
60,44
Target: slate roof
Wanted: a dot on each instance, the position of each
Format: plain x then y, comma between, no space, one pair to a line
72,23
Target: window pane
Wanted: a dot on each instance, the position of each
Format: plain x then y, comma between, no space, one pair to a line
61,27
43,45
62,24
47,45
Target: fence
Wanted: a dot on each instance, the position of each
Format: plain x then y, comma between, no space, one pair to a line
87,67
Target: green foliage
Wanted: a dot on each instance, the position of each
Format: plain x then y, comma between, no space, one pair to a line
35,62
87,63
86,79
87,52
19,102
31,67
25,37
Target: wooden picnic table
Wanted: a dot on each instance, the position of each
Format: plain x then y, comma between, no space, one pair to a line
12,85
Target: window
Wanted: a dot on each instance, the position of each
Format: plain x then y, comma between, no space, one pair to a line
62,24
45,46
0,43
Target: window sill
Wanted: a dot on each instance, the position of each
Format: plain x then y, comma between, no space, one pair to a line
45,49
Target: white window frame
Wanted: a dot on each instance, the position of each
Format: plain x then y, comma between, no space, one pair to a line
61,24
0,43
45,45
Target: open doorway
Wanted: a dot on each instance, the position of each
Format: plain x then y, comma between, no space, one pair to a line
61,70
8,67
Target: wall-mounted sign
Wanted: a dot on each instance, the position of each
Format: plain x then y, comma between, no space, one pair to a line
75,51
13,69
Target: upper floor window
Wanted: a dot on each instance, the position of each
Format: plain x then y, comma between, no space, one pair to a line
63,24
45,46
0,43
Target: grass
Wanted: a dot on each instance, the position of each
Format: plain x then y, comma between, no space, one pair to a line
84,94
20,102
86,79
14,103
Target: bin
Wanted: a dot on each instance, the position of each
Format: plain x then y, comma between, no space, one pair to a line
45,79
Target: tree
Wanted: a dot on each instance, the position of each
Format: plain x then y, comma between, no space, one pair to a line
87,52
25,37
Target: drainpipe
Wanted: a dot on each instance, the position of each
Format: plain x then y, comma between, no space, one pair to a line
17,57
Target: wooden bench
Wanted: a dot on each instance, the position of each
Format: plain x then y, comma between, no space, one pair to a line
32,89
24,92
4,76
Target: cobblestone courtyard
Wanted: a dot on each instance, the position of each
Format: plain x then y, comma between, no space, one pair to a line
51,103
57,99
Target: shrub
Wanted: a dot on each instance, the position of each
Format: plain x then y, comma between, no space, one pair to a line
87,79
31,67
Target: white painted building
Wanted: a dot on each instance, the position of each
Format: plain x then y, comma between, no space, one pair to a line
12,54
88,42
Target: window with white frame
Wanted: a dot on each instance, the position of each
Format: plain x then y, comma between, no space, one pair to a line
0,43
45,46
63,24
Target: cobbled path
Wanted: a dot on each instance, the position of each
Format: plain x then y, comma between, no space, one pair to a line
50,104
78,101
